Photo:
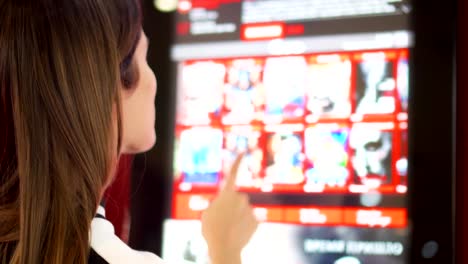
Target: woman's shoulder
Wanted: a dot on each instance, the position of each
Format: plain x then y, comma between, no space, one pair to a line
106,247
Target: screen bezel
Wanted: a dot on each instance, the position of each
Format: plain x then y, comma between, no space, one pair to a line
432,132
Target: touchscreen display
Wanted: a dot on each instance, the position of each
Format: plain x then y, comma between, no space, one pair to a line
316,94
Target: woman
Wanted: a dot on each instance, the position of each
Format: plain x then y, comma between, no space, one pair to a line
76,93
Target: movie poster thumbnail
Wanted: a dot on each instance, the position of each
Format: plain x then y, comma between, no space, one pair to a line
327,155
372,148
328,87
246,140
402,162
375,84
403,84
200,95
244,93
284,79
284,157
199,155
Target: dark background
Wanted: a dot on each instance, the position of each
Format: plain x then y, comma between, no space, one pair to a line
462,130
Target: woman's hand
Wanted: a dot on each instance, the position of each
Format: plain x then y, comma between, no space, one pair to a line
229,222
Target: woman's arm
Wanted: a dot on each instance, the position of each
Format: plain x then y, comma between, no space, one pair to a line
229,222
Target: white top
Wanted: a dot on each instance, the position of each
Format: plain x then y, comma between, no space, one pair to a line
113,250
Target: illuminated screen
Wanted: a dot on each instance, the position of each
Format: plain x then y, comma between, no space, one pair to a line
316,94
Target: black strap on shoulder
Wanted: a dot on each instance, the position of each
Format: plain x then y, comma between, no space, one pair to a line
94,258
103,204
99,216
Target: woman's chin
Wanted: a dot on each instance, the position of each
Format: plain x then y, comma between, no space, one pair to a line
144,145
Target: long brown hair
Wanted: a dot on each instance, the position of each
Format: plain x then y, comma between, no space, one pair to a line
62,64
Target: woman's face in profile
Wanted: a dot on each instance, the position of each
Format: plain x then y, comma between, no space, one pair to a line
138,110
